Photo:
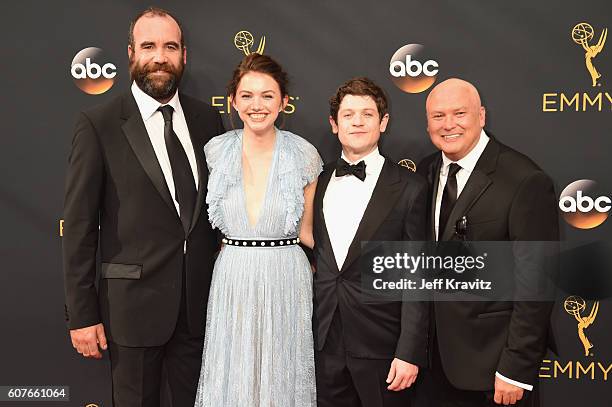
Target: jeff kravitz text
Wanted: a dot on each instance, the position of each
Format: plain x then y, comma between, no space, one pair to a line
407,263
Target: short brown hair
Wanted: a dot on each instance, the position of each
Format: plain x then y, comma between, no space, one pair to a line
151,12
360,86
263,64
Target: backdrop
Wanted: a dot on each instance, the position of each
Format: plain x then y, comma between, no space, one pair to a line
542,67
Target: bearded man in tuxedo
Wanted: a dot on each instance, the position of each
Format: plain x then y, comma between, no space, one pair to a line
135,189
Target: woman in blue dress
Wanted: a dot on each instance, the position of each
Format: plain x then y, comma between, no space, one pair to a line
258,347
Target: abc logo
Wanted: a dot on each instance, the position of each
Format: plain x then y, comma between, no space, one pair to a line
412,70
90,74
583,205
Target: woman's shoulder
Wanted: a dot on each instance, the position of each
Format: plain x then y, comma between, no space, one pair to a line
219,143
224,138
301,157
298,143
221,146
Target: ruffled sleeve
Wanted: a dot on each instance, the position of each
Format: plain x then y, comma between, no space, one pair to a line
300,164
313,164
222,158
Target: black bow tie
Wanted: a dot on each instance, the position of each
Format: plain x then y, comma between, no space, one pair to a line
343,168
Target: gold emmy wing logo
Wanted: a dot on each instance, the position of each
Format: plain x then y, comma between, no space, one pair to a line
243,41
575,305
582,33
408,164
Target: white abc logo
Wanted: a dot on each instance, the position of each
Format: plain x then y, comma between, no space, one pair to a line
569,204
413,68
93,70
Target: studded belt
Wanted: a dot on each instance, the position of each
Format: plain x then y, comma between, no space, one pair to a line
260,243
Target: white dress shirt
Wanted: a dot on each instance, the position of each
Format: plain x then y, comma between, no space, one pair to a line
467,163
154,123
345,202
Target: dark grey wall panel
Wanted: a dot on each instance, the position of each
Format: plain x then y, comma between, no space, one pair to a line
514,52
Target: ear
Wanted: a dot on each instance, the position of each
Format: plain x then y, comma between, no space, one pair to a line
231,100
481,116
184,55
130,52
333,124
284,103
384,122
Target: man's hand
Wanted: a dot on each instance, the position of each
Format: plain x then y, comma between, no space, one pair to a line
401,375
86,340
506,393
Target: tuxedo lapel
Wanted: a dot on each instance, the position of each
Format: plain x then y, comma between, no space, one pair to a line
433,179
324,242
477,184
196,133
138,138
385,194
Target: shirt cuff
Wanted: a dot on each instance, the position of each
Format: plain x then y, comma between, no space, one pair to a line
514,382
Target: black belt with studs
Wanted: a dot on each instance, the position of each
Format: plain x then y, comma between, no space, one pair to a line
261,243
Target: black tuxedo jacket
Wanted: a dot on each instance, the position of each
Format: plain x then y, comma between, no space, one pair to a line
395,212
507,198
118,208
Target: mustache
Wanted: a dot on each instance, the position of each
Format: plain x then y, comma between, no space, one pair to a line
165,67
156,87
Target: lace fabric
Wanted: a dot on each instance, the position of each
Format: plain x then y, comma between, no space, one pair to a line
258,347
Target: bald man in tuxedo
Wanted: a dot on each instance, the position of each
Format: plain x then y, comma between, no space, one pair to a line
489,351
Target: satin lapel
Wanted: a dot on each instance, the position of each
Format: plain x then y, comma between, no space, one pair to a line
326,246
433,178
477,184
138,138
385,194
197,134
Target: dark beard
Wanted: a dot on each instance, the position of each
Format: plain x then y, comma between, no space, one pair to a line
158,90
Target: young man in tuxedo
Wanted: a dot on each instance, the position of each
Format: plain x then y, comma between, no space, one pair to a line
484,352
367,354
135,189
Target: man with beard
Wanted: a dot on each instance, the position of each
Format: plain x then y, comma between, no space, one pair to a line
135,189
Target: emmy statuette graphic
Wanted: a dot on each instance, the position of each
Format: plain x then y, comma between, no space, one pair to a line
243,41
408,164
574,306
582,33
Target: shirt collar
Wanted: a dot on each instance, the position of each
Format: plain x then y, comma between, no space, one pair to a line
373,161
148,106
469,161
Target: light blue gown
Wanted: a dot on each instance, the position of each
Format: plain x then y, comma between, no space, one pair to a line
258,347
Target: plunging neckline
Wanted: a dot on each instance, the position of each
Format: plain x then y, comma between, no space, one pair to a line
264,203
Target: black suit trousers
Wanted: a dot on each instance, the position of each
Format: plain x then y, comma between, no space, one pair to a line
137,371
346,381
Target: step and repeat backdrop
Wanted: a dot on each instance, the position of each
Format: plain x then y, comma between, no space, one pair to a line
543,68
